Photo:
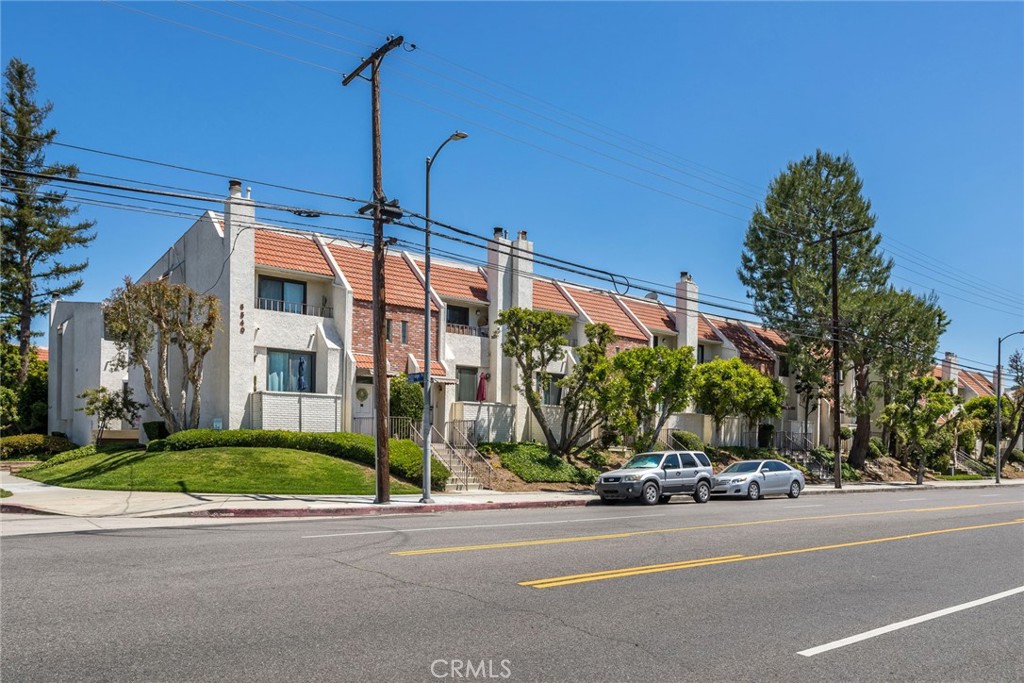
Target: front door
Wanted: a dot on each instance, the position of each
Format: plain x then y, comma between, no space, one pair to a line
362,409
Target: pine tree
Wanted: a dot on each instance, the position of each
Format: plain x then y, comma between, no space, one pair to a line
36,230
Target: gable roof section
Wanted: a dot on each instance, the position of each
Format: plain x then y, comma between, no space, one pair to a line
744,343
601,308
455,282
976,382
651,313
769,338
546,297
705,330
42,353
291,252
403,288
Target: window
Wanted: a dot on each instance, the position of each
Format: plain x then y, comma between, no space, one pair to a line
553,392
703,459
656,341
700,353
457,315
387,329
467,382
405,332
689,460
290,371
276,294
783,366
671,462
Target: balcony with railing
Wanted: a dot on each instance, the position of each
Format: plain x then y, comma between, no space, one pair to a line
468,330
294,307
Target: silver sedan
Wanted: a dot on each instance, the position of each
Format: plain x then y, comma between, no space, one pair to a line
756,478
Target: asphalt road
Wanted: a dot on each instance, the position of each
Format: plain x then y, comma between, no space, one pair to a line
728,591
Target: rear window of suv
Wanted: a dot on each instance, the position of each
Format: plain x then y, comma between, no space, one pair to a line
703,459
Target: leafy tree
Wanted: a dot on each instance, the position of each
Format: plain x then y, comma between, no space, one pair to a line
983,410
810,375
1013,403
786,267
914,325
919,416
731,387
26,402
8,408
107,405
406,399
657,382
36,229
141,316
534,340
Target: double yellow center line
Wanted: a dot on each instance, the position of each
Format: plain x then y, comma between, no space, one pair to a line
630,534
572,579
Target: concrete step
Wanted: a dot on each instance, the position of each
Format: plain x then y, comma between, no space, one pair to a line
456,487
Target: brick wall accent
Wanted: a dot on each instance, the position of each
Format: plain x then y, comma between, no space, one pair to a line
398,353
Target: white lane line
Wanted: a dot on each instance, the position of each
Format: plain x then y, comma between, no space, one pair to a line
909,622
990,495
482,526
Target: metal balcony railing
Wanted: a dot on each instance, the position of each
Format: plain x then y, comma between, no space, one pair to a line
454,328
294,307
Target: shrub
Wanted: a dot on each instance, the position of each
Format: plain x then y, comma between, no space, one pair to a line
876,449
532,462
406,399
939,462
1016,455
155,430
157,446
35,445
596,458
688,441
66,456
845,433
990,450
959,477
406,457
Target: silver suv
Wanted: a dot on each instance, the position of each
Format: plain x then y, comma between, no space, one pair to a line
656,477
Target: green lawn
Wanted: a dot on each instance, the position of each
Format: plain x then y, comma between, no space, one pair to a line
4,493
216,470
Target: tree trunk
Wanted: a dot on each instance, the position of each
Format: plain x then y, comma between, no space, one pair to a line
920,467
859,450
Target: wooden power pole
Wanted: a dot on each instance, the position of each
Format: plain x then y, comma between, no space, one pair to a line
380,359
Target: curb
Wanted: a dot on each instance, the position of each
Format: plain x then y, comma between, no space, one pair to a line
903,488
377,510
14,508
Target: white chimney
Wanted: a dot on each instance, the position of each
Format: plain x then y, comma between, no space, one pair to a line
686,311
951,370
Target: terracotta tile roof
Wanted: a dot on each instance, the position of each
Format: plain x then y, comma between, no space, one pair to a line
459,283
546,297
770,338
705,330
936,372
749,349
364,361
293,252
403,287
601,308
976,382
436,368
653,314
43,354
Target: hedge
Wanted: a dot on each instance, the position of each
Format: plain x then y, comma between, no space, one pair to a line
37,445
406,457
688,441
66,456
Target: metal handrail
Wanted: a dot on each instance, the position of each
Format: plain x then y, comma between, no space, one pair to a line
467,469
282,306
463,442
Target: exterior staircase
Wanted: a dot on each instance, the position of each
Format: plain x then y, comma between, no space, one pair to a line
462,476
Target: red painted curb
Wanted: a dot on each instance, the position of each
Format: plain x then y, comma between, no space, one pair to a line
377,510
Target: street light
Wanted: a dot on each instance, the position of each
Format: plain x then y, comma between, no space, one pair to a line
427,421
999,399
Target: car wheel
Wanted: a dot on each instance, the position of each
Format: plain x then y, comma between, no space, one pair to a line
664,499
608,501
753,491
794,490
649,494
703,492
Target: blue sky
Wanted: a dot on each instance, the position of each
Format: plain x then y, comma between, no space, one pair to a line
633,137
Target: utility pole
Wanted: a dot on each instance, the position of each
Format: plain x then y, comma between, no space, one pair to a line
380,359
837,470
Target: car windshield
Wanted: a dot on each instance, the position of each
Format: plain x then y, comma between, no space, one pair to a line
643,460
740,467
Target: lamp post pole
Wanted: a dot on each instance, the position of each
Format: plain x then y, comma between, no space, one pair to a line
427,417
999,400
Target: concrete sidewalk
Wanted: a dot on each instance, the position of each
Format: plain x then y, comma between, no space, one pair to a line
35,498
